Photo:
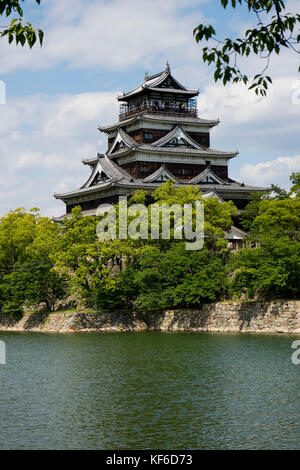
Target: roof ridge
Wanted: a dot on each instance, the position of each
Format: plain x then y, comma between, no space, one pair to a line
155,75
162,76
127,140
119,169
125,136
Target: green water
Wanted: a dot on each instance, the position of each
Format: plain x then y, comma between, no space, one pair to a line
149,390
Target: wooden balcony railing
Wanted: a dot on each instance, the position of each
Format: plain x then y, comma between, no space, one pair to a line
126,113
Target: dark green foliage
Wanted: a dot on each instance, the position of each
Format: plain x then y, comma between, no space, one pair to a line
271,271
12,294
178,278
43,285
250,212
17,30
30,285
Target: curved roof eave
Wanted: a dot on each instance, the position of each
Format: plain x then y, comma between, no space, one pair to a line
160,118
153,82
185,151
139,184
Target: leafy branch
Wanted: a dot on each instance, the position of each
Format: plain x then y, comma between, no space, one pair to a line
18,31
264,40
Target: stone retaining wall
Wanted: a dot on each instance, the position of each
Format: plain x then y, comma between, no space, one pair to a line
254,317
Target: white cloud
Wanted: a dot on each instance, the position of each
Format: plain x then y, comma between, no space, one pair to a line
271,172
261,128
111,34
43,138
43,141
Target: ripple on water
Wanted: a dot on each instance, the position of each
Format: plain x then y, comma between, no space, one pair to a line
149,390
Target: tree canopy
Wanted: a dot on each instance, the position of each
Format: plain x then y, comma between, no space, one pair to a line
42,262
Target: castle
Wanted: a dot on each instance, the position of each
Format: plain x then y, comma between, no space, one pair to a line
158,136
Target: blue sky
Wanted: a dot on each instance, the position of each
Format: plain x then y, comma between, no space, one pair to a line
57,95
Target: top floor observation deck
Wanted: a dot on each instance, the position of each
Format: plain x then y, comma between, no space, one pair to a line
180,109
160,93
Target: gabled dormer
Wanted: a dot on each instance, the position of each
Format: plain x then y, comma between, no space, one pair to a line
105,171
121,142
207,177
161,175
178,138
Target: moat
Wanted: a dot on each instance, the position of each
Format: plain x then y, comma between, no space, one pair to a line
149,390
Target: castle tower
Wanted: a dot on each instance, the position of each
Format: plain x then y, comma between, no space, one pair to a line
158,136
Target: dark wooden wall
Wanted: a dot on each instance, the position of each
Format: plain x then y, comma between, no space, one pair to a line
180,170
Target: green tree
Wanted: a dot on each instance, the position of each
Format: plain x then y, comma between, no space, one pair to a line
30,285
12,294
27,272
18,31
104,272
178,278
277,218
217,215
17,232
251,211
275,30
271,271
295,189
277,192
134,284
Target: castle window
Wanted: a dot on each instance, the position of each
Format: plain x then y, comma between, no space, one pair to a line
188,172
182,172
144,169
148,136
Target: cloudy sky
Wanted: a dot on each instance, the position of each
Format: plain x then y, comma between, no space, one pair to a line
57,95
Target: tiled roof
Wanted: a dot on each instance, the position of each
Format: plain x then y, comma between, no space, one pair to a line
208,171
112,170
154,81
127,138
212,194
90,161
209,152
120,178
144,116
131,144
